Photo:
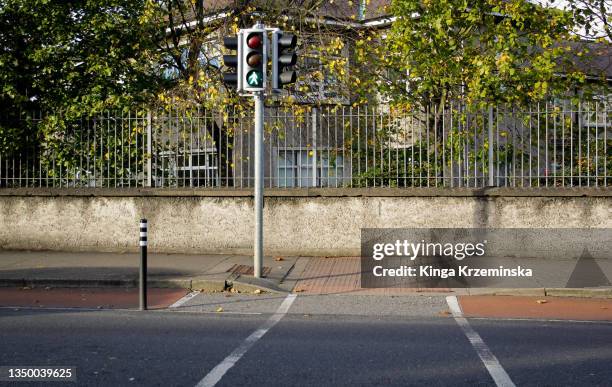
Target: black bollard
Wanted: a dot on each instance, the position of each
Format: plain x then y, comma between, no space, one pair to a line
143,264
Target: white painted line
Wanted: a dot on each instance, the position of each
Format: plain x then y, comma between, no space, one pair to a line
497,372
183,300
225,312
217,373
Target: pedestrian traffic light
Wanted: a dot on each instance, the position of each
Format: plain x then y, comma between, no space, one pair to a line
231,61
254,59
283,56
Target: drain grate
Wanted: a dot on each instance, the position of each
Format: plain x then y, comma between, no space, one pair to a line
247,270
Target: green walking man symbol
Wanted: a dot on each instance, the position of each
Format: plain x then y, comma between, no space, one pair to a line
254,78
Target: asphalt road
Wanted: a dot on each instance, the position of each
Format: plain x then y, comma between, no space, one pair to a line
333,340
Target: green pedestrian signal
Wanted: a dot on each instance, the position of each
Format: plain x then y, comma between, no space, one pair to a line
254,78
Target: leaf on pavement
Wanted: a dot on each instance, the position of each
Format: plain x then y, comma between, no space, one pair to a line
541,301
219,310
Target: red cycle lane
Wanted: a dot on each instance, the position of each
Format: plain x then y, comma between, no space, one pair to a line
562,308
90,298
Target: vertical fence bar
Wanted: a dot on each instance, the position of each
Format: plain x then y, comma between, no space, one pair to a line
581,146
444,134
589,110
605,141
314,147
530,181
497,169
596,138
490,149
563,110
149,158
451,146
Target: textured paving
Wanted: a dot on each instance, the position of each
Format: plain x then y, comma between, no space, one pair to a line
341,275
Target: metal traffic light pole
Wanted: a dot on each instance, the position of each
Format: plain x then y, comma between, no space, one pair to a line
258,97
259,169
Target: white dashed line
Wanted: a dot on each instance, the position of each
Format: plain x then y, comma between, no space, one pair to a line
217,373
497,372
183,300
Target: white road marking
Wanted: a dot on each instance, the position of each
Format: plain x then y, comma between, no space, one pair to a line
497,372
218,313
183,300
217,373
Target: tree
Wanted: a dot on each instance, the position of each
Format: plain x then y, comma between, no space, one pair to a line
71,59
593,16
478,51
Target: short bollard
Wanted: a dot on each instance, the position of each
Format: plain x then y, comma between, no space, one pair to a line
143,264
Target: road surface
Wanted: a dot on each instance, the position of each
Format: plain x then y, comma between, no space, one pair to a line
232,340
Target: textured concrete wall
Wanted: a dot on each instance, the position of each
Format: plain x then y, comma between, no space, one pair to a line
294,225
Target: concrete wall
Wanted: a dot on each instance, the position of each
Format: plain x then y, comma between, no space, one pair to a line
304,222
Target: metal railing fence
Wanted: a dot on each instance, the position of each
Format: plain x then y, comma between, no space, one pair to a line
554,144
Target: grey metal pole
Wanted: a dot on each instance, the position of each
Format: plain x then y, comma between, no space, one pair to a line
149,150
314,147
491,167
143,264
259,184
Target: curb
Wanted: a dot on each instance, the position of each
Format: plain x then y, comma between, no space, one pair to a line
587,293
96,283
250,284
503,291
241,284
543,292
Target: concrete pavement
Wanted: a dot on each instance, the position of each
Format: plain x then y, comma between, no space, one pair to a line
205,272
215,273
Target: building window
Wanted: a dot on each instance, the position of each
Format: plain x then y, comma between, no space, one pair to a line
197,168
296,168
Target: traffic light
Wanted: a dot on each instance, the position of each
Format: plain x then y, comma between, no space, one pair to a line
254,59
231,61
283,55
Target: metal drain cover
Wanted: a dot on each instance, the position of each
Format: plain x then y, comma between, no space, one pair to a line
247,270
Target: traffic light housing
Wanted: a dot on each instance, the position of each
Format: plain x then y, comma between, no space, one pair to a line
232,61
283,56
253,59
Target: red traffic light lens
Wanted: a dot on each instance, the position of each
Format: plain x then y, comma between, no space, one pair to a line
254,41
